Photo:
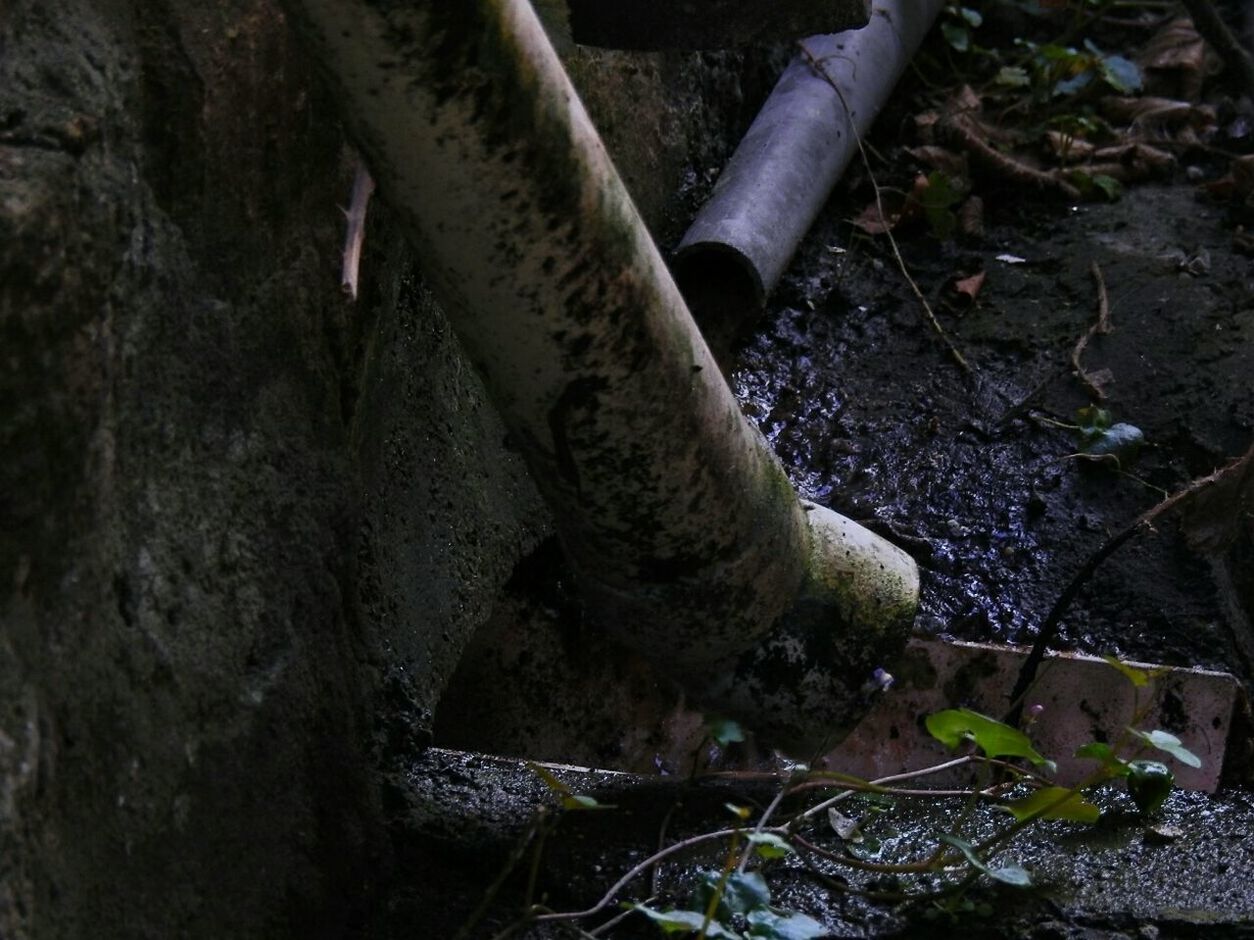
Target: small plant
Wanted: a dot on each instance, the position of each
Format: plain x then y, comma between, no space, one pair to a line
734,901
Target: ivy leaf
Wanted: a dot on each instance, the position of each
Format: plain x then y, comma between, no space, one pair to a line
1098,751
1069,86
1053,803
955,725
1120,74
957,36
745,891
1150,782
1138,677
569,798
1165,741
684,922
1014,875
724,731
973,17
769,845
1012,76
1092,419
1006,874
783,925
579,801
1122,441
1111,188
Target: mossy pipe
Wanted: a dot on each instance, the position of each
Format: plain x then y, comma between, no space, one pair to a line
687,538
784,169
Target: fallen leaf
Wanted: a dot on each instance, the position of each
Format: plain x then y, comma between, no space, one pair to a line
969,287
1178,58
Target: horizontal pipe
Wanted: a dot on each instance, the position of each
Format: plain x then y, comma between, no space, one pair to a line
782,173
687,538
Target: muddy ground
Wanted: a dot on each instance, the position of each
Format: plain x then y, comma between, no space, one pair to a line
970,471
967,471
976,472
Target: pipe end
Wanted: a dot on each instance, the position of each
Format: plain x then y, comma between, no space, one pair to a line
809,681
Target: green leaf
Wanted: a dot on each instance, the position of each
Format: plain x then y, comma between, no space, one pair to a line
682,922
549,780
724,731
1111,188
1092,419
1122,441
955,725
865,847
1165,741
783,925
578,801
570,799
963,846
1012,76
973,17
744,891
1069,86
769,845
1098,751
1150,782
1013,875
1007,874
1120,74
1053,803
1138,677
956,35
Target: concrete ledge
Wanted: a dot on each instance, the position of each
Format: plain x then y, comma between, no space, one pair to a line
1186,875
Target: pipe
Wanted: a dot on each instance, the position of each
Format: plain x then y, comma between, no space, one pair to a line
707,24
782,173
687,539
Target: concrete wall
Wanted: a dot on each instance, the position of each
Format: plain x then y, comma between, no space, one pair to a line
246,526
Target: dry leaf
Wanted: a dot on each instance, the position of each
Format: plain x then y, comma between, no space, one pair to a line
967,288
971,217
1178,58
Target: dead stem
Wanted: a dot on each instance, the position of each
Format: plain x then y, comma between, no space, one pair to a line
1100,326
818,68
355,235
959,128
1049,628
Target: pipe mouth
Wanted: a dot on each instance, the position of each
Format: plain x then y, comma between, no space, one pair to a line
723,290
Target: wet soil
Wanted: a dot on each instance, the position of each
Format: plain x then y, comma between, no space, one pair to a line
970,472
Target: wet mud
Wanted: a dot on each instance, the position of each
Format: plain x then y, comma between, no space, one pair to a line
971,473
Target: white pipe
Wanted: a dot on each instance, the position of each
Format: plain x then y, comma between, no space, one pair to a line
688,540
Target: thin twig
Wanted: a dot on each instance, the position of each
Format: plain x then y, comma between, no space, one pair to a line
636,870
1049,628
969,138
511,863
355,235
817,66
1100,326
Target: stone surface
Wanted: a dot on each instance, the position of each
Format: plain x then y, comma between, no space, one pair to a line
246,527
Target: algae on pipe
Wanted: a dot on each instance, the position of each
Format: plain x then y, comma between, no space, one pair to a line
689,543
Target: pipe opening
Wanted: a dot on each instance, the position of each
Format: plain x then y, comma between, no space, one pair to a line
723,292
